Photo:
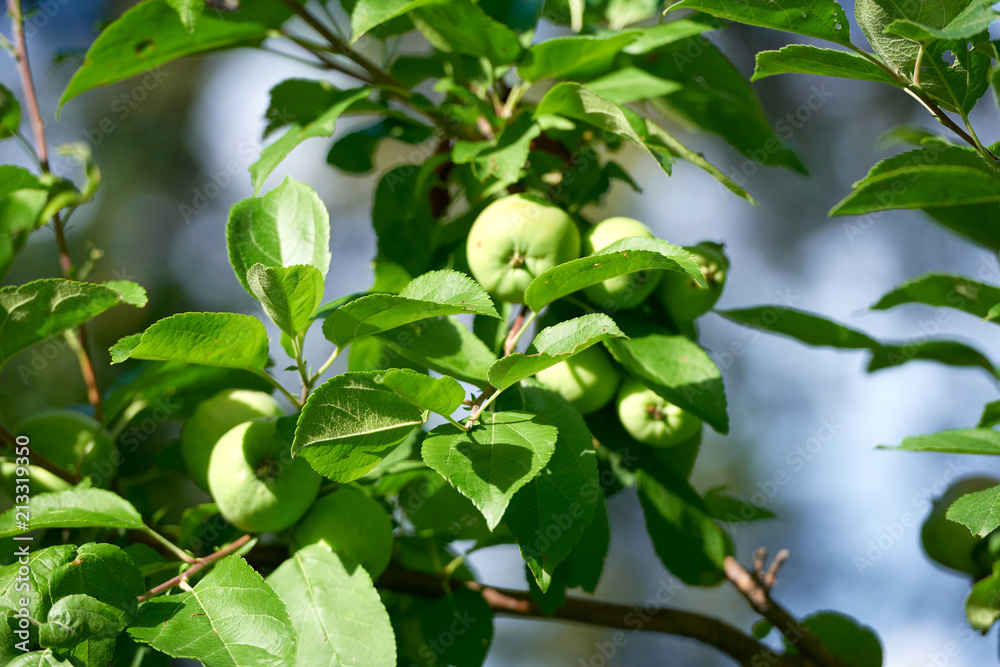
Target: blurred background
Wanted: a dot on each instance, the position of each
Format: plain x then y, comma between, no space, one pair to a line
174,150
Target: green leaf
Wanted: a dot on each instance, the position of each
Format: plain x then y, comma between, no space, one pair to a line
463,27
979,511
335,610
151,34
947,352
490,462
991,415
685,536
290,295
10,117
579,57
575,101
174,389
354,153
943,290
442,395
716,97
551,346
875,16
663,147
368,14
441,618
936,176
585,563
815,330
41,563
78,507
982,607
824,19
232,618
503,159
674,367
957,72
321,126
105,573
979,223
44,658
620,258
434,294
350,423
974,19
551,513
77,618
13,178
956,441
805,59
631,84
212,339
653,37
32,312
189,11
444,345
802,326
724,507
855,644
289,226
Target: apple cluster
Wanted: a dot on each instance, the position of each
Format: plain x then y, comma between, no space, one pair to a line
519,237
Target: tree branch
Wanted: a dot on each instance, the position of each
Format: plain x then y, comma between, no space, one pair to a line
756,588
188,573
41,148
743,648
37,459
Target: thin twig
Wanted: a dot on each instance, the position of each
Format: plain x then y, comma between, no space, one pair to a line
752,588
37,459
41,148
191,571
730,640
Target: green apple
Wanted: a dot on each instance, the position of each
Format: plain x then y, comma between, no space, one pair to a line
350,522
949,543
621,292
213,418
74,442
515,239
39,480
254,480
588,380
652,419
685,299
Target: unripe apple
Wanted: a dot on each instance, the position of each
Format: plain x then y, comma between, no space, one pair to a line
74,442
652,419
620,292
350,522
213,418
254,480
515,239
685,299
950,543
39,480
587,380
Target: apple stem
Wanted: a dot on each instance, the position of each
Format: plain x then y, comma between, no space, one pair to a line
170,546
